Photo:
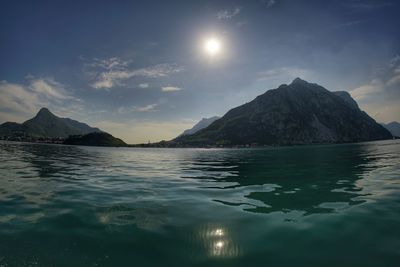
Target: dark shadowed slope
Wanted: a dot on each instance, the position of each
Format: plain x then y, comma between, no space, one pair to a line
298,113
347,98
94,139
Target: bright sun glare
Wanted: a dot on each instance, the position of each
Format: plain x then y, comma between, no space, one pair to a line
212,46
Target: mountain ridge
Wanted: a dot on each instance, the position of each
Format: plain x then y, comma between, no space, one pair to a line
203,123
298,113
46,125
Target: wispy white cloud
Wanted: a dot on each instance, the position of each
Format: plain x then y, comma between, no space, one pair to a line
374,87
388,80
109,73
20,101
395,80
268,3
134,109
146,108
144,85
367,5
242,23
228,13
380,97
284,74
108,63
395,62
352,23
170,89
50,88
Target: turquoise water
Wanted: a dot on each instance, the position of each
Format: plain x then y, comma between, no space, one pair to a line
333,205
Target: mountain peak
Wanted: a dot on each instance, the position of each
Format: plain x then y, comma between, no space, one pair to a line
300,113
44,111
46,124
299,81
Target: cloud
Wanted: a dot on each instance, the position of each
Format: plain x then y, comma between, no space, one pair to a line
144,85
352,23
242,23
16,98
395,61
374,87
133,109
104,83
108,63
380,97
228,13
367,5
50,88
147,108
20,101
395,80
170,89
284,74
387,81
268,3
109,73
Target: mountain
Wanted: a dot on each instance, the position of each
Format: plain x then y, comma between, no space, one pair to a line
298,113
94,139
347,98
46,125
393,127
203,123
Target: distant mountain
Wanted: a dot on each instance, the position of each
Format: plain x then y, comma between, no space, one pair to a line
393,127
46,125
298,113
94,139
203,123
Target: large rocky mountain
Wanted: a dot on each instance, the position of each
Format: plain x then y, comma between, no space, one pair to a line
46,125
393,127
203,123
298,113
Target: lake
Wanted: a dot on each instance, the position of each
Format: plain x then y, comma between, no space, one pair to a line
322,205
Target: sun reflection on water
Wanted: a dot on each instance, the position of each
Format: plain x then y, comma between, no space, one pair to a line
218,242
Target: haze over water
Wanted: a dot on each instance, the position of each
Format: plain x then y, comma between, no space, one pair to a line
328,205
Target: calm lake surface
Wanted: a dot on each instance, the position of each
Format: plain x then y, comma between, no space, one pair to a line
331,205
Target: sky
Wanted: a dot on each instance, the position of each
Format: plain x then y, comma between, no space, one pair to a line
139,69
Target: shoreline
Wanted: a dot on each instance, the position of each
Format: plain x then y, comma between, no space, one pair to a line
152,145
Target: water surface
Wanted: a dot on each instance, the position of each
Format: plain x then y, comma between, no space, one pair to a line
331,205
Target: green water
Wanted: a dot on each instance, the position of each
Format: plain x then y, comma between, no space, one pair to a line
333,205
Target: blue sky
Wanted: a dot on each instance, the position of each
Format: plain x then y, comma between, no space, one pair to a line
138,70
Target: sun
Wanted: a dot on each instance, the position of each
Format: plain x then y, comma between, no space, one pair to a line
212,46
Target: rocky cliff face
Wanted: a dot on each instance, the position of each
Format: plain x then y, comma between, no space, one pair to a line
298,113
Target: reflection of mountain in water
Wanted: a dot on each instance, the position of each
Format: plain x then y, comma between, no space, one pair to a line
36,171
312,179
